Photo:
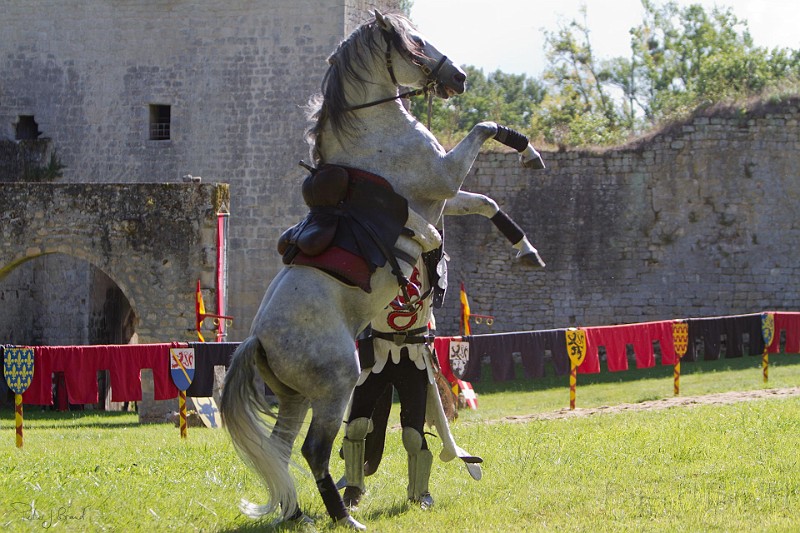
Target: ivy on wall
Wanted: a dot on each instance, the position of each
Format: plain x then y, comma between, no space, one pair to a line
29,161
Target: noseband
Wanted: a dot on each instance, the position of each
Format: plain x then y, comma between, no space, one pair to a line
430,76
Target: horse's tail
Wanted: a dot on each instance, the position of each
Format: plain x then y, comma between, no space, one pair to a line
243,409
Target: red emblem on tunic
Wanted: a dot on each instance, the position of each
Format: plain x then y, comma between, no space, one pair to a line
401,319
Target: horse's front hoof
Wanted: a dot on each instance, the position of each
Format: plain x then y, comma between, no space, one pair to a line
348,522
536,163
530,158
474,470
531,259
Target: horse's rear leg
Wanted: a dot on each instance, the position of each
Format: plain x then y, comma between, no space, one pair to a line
317,448
291,414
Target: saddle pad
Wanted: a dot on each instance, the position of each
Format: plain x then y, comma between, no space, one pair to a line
343,265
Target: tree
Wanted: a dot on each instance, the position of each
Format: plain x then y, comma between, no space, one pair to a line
578,108
682,58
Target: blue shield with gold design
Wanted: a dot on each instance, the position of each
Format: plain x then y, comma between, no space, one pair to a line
18,368
181,366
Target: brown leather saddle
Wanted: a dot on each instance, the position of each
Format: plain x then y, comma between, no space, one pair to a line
354,219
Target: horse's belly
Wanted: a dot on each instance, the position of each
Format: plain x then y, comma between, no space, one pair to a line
308,321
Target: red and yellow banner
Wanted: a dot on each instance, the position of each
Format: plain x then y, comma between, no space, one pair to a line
200,315
200,311
465,313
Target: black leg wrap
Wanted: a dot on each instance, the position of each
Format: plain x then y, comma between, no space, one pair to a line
511,138
330,497
507,227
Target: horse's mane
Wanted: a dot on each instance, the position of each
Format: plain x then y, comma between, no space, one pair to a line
350,60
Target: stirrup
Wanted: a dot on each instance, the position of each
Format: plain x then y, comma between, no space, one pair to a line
408,299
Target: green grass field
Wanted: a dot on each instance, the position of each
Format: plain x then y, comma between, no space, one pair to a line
705,468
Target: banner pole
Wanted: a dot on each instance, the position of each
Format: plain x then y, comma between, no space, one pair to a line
18,417
768,334
182,410
680,343
222,269
576,350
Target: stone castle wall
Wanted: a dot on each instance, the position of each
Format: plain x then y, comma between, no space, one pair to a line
698,220
235,74
147,244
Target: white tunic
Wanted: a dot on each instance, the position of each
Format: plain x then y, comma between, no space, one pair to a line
396,319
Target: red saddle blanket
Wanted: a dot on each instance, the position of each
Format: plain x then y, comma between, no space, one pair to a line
346,266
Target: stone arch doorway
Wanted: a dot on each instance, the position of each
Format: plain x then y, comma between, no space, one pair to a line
57,299
154,240
116,318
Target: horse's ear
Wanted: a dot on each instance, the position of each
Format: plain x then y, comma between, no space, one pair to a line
382,21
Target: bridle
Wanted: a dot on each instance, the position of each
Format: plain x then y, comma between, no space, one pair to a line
430,75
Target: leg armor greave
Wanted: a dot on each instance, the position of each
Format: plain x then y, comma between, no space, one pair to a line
420,462
353,450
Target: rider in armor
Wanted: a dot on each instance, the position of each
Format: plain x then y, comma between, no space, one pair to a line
400,342
397,351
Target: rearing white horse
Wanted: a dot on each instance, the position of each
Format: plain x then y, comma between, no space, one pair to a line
302,340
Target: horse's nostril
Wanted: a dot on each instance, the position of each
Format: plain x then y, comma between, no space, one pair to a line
460,77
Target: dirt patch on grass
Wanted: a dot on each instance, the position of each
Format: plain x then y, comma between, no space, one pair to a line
722,398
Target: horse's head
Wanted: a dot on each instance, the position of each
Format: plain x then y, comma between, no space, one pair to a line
366,68
412,61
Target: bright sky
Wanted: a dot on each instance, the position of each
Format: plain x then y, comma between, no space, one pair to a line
507,34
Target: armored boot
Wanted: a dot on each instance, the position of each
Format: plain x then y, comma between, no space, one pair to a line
353,451
420,462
